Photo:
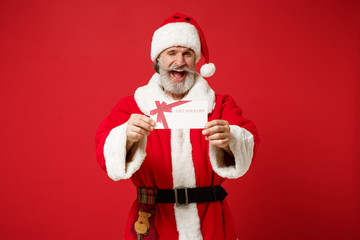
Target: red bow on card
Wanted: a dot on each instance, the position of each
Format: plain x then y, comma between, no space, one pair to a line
163,107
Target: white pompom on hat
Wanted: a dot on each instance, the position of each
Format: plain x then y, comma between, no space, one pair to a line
181,30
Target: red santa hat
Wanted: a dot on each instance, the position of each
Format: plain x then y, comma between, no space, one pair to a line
182,30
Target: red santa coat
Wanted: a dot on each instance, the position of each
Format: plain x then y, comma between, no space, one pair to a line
168,159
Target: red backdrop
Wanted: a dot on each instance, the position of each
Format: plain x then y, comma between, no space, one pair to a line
293,66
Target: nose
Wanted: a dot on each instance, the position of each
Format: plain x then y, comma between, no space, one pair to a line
179,60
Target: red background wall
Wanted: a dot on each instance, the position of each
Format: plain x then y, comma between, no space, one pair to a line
293,66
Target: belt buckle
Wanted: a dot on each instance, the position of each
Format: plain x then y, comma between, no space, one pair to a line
177,200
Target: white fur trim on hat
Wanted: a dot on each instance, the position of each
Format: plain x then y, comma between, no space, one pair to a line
175,34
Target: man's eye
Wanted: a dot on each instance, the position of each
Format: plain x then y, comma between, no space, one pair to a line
187,54
171,53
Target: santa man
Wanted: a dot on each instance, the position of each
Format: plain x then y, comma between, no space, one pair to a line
177,172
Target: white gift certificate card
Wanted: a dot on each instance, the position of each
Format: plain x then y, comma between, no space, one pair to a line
180,114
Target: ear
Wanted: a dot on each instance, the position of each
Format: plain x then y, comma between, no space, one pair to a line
149,214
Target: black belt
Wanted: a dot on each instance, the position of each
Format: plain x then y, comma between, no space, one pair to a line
181,196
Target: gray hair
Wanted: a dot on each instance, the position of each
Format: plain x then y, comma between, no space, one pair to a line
156,66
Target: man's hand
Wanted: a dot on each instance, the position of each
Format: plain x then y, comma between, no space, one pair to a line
138,127
218,133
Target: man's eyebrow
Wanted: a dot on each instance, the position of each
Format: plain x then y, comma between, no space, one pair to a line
175,50
189,50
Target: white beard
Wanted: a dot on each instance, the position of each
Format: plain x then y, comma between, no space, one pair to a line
176,88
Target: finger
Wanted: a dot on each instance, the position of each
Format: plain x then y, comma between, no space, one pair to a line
220,142
217,129
218,136
143,125
135,133
143,122
147,120
140,117
138,130
216,122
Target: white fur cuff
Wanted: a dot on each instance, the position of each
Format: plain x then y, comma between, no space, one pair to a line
242,146
115,154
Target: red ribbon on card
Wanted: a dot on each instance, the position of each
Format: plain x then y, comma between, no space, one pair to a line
164,107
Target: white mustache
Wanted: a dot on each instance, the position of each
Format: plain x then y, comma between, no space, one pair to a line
177,68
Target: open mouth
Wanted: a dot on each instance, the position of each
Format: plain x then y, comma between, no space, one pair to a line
178,74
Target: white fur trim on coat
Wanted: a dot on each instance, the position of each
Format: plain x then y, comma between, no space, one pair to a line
115,154
187,218
151,92
175,34
242,146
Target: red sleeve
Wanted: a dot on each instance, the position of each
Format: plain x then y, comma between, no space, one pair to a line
118,115
234,115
